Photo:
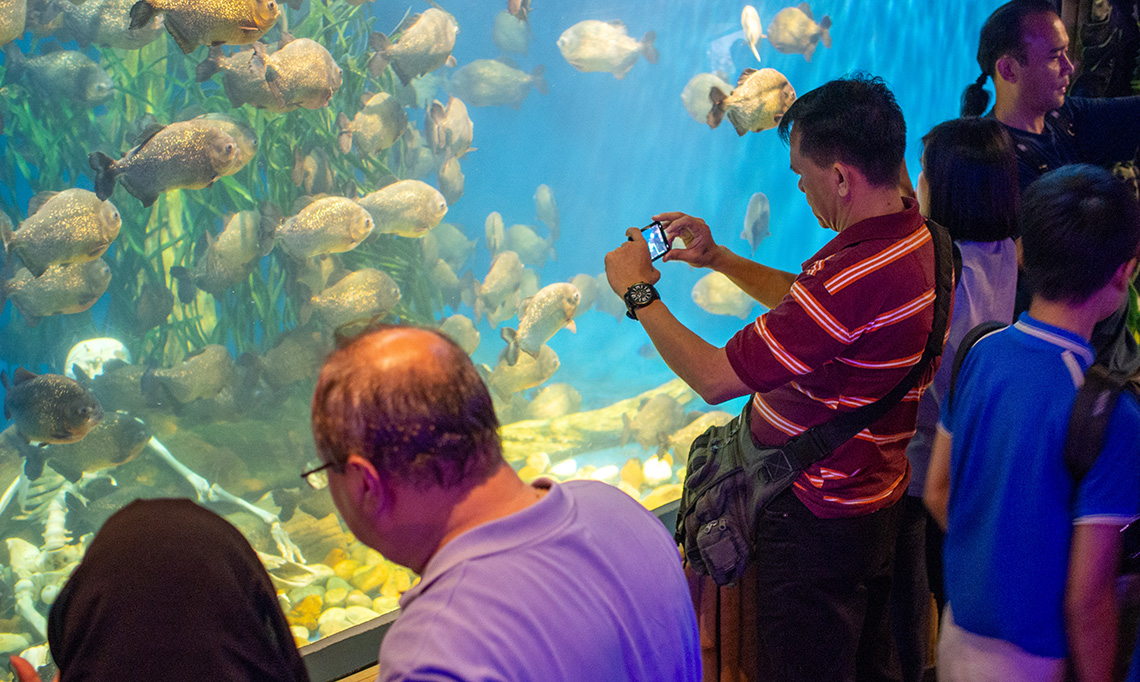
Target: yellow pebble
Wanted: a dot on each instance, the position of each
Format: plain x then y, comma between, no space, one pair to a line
306,612
528,474
662,494
345,569
358,598
385,604
336,596
631,473
335,556
370,578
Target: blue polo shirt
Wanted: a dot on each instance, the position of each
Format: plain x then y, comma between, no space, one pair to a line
1011,512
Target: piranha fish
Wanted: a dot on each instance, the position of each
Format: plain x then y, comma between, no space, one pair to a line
302,73
13,14
546,209
758,103
656,419
496,82
717,294
224,22
750,22
408,208
756,220
494,232
503,279
511,33
450,180
229,257
447,242
185,155
555,400
360,296
105,23
312,171
49,408
246,139
425,44
507,379
461,330
60,290
203,374
328,225
449,129
593,45
114,441
551,309
695,96
794,31
243,77
72,226
61,75
377,126
532,249
296,357
588,290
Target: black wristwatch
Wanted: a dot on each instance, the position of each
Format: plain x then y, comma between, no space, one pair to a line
638,296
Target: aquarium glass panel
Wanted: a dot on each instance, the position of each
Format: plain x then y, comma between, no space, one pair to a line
188,223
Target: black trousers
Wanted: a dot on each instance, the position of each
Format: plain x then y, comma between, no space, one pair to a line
824,591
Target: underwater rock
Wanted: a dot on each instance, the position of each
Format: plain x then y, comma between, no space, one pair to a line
332,621
631,473
11,643
594,45
553,401
661,496
681,442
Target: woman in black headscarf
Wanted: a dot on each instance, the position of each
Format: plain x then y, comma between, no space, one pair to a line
170,591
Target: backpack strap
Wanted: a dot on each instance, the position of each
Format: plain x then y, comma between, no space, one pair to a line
820,441
968,341
1088,422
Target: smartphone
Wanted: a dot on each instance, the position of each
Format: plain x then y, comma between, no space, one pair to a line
658,242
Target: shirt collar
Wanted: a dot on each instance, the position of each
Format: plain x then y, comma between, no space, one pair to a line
1062,338
889,226
523,527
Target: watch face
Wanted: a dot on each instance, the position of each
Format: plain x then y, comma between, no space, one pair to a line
640,294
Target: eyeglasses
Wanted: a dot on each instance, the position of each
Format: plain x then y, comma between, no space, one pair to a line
318,478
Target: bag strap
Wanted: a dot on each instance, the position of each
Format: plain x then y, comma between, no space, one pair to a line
820,441
1094,404
968,341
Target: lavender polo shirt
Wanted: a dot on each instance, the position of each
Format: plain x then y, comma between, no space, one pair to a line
583,585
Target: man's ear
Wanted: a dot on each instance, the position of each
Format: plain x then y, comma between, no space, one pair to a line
1127,272
1007,69
841,175
364,479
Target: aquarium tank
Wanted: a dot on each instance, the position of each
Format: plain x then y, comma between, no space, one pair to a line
189,225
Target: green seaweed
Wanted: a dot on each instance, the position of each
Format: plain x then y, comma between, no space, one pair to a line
47,148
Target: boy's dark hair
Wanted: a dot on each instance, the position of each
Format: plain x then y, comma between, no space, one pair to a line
1079,225
1001,35
424,425
971,169
854,120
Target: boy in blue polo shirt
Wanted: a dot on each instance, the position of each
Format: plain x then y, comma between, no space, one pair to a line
1030,564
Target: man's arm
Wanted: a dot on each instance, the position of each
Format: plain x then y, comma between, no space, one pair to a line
701,365
936,494
1090,600
766,285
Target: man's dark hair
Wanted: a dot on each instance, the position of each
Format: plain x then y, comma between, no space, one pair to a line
971,169
853,120
429,424
1001,35
1079,224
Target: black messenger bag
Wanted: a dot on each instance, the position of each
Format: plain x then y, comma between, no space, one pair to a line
729,480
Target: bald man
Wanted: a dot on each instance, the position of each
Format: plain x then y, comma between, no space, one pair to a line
549,581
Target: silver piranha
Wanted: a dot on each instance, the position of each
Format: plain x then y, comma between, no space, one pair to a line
61,290
328,225
794,31
223,22
760,100
425,44
49,408
72,226
408,208
551,309
492,82
594,45
361,296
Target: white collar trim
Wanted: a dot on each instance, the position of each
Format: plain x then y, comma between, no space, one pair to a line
1056,340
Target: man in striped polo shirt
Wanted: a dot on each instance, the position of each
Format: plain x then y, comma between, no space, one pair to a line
837,336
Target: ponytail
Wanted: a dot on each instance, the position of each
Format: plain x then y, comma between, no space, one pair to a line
975,99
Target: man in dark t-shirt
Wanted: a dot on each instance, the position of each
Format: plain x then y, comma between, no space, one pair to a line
1050,131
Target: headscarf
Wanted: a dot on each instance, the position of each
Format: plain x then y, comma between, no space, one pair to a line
171,591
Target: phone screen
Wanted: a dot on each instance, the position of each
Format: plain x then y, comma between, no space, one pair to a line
658,243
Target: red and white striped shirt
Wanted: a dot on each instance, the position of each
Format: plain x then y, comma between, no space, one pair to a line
855,322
